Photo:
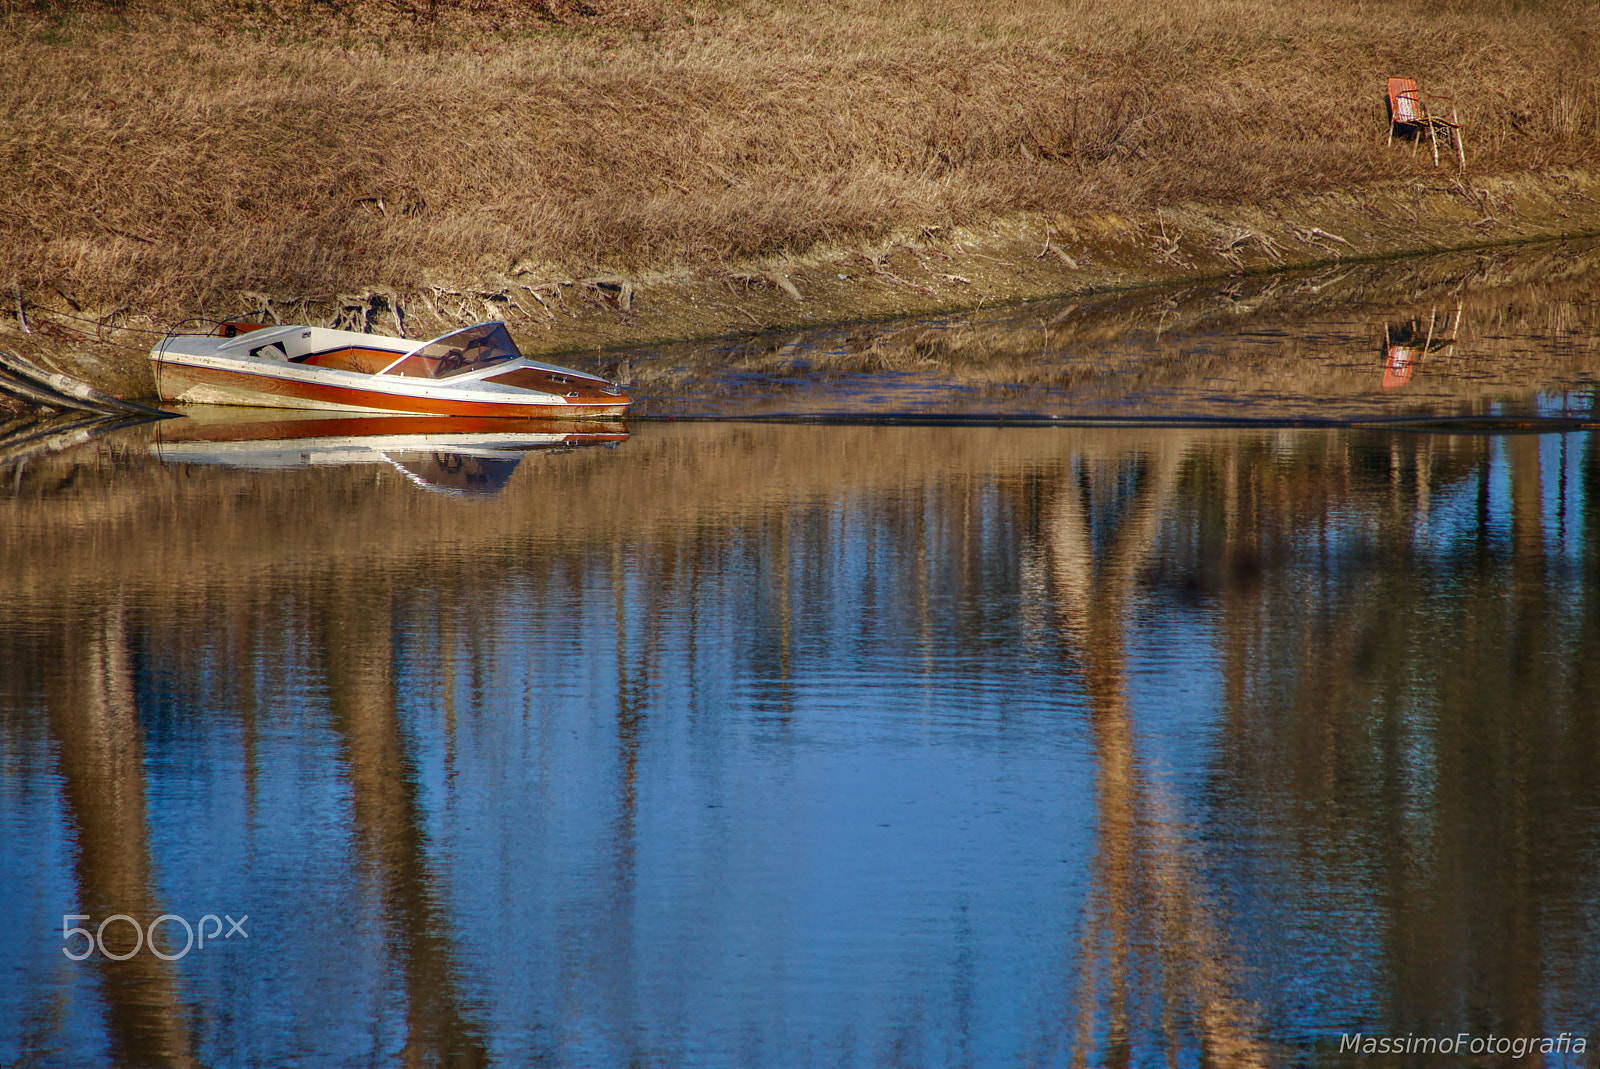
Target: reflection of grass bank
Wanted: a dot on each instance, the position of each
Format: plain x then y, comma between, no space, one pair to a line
1491,329
467,158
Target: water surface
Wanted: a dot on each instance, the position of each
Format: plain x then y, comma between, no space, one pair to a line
716,743
1481,338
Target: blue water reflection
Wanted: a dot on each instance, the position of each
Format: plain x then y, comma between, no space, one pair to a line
796,745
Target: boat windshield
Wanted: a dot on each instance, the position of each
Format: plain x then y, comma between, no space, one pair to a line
458,352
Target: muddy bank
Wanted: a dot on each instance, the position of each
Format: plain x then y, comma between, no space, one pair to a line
1019,259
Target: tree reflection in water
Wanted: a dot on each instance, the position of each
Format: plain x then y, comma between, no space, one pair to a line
757,741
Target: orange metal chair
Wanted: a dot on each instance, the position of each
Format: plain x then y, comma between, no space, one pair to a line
1411,112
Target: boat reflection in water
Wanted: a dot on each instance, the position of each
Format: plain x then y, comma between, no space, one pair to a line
447,454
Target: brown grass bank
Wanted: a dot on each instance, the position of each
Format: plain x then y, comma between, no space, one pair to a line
167,160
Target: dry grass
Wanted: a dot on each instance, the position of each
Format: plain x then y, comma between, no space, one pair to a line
165,162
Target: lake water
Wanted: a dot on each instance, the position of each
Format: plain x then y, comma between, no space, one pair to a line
1202,677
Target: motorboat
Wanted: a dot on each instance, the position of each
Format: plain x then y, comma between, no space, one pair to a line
473,371
452,454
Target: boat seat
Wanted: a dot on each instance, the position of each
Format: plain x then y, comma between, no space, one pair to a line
365,361
270,351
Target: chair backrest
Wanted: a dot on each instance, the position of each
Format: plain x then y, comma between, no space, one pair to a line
1405,104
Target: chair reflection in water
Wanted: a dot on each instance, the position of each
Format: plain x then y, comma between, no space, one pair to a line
1406,345
1410,112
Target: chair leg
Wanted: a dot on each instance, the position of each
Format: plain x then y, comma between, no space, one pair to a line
1461,146
1433,135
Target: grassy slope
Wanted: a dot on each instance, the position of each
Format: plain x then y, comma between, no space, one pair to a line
165,163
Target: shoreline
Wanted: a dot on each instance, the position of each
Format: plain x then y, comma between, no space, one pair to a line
934,271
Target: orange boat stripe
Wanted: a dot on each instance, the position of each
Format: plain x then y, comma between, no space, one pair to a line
268,385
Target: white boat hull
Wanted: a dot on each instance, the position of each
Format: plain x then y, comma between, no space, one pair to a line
208,370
